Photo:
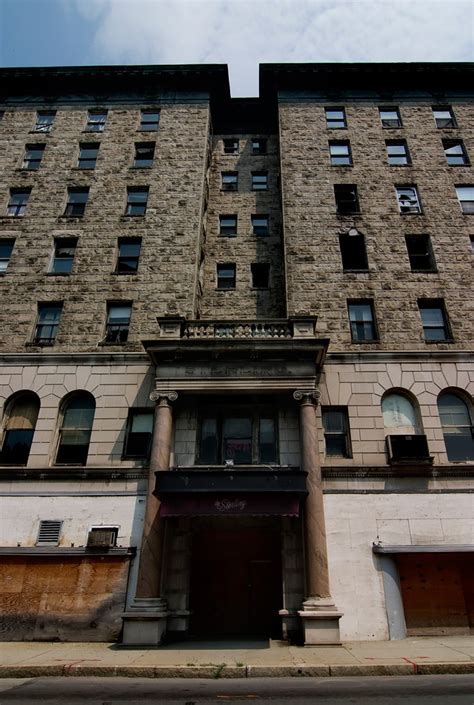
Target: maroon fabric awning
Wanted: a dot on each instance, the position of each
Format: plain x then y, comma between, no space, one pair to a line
230,505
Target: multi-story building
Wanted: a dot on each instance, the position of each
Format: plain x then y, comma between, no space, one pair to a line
236,353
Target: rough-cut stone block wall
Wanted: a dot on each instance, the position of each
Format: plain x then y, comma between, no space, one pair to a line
246,248
170,230
316,282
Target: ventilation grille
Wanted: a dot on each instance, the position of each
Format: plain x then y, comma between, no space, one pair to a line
102,537
49,532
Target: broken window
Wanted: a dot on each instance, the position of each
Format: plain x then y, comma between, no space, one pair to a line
260,275
96,120
347,202
139,433
455,153
444,117
258,145
353,251
408,201
420,253
44,120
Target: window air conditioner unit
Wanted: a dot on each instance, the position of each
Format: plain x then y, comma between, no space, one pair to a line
408,449
99,537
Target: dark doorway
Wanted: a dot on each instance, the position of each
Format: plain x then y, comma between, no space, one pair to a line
236,583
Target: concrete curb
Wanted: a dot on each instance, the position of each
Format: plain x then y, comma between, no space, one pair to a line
223,671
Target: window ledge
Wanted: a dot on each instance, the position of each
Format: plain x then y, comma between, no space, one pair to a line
356,271
40,132
11,218
72,218
222,289
357,214
57,274
229,190
123,274
126,216
82,168
36,344
438,342
424,271
138,166
366,342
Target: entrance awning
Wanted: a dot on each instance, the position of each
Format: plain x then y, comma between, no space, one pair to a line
232,505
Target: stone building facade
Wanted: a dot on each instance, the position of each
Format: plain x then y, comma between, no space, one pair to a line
236,369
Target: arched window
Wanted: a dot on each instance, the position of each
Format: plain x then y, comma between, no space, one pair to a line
400,415
457,426
75,430
21,414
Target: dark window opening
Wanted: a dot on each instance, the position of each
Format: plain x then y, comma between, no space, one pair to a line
260,275
259,146
420,253
408,200
76,202
139,433
226,276
144,154
239,437
22,414
353,251
260,225
33,156
6,248
128,255
63,257
347,202
229,181
231,146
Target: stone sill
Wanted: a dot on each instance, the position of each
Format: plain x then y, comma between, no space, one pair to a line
60,551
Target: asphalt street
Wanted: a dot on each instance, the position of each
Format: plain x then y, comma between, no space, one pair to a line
406,690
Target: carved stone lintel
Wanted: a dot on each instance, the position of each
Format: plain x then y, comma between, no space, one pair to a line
163,398
307,396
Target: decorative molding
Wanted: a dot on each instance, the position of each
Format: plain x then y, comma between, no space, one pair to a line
162,398
400,356
307,396
76,358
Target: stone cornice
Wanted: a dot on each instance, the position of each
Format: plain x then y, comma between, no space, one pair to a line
401,356
76,358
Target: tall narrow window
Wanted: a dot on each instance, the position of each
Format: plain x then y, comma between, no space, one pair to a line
144,154
444,117
88,152
458,427
33,156
139,433
420,253
353,251
390,117
465,196
455,153
96,120
226,276
434,320
44,120
75,430
137,200
128,255
63,257
149,120
335,118
76,202
47,323
228,225
340,153
259,180
21,414
118,322
408,199
18,202
260,275
397,153
347,202
362,321
336,432
6,248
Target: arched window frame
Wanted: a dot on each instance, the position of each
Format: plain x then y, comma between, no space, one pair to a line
62,455
8,454
465,432
414,429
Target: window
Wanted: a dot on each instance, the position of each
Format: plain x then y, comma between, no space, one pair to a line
408,201
231,146
44,120
76,202
400,415
336,432
6,248
260,225
137,199
88,152
390,117
434,320
128,255
397,153
47,323
63,257
353,251
49,532
362,321
444,117
455,153
340,153
18,202
118,322
139,433
258,145
2,114
33,156
242,436
347,202
229,180
471,239
226,276
96,120
228,225
21,414
465,195
458,427
75,429
259,180
335,118
149,120
260,275
420,253
144,154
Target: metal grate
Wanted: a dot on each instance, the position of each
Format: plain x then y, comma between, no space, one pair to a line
102,537
48,534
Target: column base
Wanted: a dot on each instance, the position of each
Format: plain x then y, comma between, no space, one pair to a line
320,619
145,622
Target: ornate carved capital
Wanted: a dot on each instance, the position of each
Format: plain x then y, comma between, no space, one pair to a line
307,396
163,398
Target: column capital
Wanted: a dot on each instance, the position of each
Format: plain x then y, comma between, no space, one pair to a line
163,398
307,396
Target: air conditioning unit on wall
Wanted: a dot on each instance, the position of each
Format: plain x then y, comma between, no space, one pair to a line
102,537
408,449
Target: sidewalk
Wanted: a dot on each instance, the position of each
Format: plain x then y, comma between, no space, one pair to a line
239,659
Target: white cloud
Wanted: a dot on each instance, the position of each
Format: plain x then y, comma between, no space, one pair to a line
244,34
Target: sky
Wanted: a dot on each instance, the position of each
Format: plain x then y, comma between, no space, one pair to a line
240,33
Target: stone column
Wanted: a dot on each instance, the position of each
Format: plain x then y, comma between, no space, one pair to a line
319,614
145,621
